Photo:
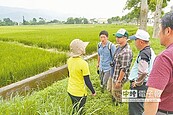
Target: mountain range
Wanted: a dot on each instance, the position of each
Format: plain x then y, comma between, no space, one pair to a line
17,14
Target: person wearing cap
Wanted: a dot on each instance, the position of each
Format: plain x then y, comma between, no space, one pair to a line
106,51
78,76
122,59
160,82
140,71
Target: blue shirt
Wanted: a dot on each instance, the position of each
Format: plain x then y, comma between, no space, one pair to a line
106,55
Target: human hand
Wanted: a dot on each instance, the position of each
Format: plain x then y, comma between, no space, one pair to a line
94,94
134,84
97,66
117,85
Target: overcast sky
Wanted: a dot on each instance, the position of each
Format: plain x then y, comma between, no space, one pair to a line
82,8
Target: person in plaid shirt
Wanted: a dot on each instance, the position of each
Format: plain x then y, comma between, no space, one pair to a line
122,59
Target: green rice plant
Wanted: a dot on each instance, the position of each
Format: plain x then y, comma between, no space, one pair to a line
59,36
18,62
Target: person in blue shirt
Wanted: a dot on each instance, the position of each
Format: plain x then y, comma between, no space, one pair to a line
106,51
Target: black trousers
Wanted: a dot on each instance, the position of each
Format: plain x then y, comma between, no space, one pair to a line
137,108
78,103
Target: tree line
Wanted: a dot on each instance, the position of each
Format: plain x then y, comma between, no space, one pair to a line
70,20
138,13
42,21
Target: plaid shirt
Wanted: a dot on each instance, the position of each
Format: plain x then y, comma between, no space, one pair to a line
122,60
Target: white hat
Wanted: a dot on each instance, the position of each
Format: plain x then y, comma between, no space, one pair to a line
141,34
77,47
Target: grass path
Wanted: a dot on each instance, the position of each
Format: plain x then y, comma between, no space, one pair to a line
54,100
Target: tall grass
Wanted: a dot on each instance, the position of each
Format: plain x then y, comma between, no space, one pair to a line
54,100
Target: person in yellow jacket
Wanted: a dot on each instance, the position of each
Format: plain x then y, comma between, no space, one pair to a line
78,76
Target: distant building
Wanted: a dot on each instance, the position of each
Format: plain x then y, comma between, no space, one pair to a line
102,21
98,21
93,21
171,8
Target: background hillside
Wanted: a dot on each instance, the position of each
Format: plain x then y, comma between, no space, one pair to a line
16,14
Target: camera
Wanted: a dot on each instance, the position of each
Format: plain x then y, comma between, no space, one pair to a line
98,71
112,64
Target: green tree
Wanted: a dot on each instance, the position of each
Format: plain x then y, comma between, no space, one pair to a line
33,21
127,18
24,21
134,6
2,23
55,21
152,4
8,22
117,18
70,20
41,21
114,19
85,21
109,21
77,21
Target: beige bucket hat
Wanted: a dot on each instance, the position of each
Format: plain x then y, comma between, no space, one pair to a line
77,47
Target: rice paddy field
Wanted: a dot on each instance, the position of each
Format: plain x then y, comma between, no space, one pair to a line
27,50
19,62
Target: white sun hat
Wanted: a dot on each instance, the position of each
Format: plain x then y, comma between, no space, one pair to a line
141,34
77,47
